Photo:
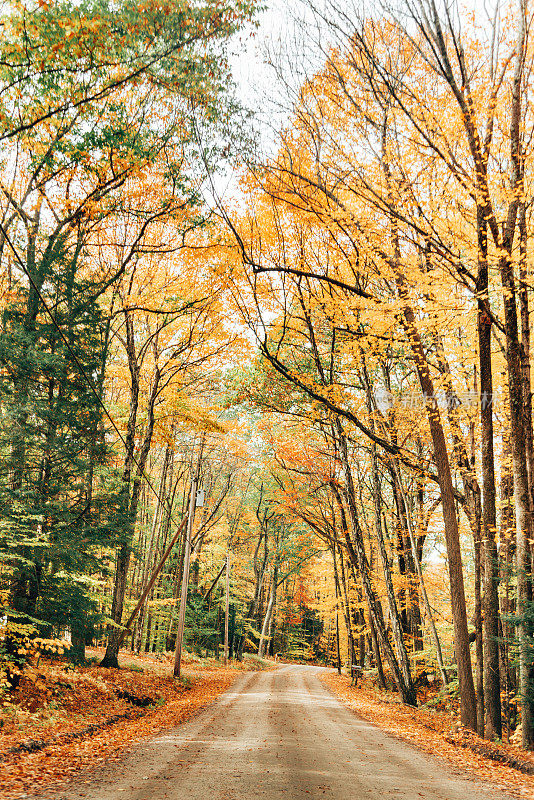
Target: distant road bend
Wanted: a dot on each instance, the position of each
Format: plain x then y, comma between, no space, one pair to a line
278,735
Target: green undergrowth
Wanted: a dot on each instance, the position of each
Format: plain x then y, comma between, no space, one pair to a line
256,663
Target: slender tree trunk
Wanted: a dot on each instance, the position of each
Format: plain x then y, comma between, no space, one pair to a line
267,622
130,503
527,422
150,557
345,596
433,630
377,655
271,631
259,573
468,710
265,626
356,549
361,637
392,601
479,637
338,597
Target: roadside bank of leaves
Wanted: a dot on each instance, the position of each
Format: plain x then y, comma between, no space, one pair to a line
62,721
439,734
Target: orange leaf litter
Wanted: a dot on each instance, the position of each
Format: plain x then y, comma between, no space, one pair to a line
435,733
95,695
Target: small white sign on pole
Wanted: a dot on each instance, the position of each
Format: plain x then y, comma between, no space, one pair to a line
200,498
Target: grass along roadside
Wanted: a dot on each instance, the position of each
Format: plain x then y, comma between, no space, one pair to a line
64,721
438,734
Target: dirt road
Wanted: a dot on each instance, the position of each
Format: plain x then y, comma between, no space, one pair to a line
278,736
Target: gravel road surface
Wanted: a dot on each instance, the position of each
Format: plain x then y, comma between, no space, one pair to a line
277,736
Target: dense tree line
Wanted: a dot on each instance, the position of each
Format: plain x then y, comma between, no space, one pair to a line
343,366
387,252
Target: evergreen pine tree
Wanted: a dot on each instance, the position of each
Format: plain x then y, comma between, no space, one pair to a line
54,502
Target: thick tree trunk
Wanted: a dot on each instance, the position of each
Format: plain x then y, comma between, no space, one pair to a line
529,434
523,503
521,493
468,709
492,690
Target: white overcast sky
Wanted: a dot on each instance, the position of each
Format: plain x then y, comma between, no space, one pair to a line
278,37
249,52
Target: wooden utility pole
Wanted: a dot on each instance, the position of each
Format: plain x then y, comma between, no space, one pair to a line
227,610
185,581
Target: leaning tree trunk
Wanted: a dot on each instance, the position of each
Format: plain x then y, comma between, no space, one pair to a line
346,612
481,516
395,617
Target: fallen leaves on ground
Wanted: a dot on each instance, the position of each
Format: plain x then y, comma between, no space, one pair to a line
88,715
436,733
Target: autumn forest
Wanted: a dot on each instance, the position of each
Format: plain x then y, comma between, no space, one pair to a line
289,419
